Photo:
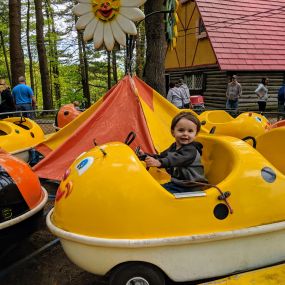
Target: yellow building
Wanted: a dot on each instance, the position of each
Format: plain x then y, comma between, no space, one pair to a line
219,38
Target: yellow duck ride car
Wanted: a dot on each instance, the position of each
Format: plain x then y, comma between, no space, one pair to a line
18,135
246,124
113,217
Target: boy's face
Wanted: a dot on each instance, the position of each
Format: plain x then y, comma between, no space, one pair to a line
184,132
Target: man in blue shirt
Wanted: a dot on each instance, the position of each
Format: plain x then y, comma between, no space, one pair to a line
281,101
24,97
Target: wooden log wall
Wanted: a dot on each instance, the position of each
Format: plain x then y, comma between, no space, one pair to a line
216,84
216,81
215,89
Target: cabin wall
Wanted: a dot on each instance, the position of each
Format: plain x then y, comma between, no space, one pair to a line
249,82
215,83
215,88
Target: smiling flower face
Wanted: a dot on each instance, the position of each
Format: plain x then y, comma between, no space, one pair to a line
106,10
107,21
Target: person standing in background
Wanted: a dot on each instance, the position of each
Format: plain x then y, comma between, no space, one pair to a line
174,95
262,94
281,101
185,93
233,93
24,97
6,100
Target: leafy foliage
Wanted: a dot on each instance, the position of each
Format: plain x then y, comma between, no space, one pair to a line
61,43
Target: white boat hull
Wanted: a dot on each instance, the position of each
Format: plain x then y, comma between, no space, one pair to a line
23,154
181,258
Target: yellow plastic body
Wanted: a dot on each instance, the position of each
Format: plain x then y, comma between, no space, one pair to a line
246,124
17,134
108,193
271,145
191,49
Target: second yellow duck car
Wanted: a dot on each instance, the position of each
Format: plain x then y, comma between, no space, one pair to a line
18,135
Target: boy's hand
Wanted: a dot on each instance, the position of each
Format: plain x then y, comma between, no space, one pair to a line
152,162
141,155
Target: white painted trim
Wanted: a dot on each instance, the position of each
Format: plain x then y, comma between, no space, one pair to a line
200,35
21,150
153,242
189,194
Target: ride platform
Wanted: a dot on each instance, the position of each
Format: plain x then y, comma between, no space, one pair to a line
274,275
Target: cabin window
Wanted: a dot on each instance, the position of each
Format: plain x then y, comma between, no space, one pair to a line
194,81
200,29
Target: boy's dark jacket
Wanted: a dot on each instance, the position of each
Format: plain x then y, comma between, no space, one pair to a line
183,164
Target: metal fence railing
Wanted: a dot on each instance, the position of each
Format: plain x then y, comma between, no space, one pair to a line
46,118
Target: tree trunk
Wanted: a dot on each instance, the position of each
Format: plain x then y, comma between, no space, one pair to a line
140,51
114,66
109,70
47,99
29,48
53,54
84,68
156,46
49,48
5,57
16,52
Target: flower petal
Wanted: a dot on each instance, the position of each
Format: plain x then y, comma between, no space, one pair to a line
84,20
85,1
132,3
90,29
134,14
127,25
81,9
118,33
109,40
98,37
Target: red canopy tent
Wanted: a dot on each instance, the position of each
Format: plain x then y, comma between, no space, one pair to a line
119,114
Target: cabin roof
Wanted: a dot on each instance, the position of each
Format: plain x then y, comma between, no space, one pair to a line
246,34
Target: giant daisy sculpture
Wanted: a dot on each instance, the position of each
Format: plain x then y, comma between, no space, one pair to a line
108,21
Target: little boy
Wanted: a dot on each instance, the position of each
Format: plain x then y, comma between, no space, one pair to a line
182,160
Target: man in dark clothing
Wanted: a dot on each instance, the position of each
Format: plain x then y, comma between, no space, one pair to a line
6,100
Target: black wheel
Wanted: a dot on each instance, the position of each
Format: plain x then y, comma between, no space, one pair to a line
137,274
